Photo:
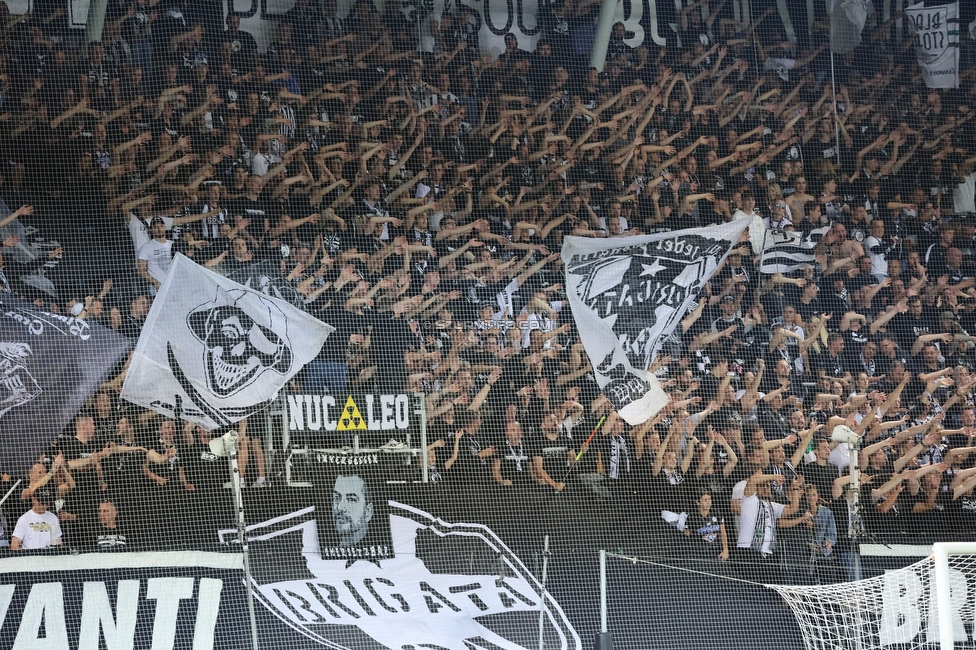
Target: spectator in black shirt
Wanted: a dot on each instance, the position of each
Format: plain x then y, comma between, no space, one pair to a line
889,353
821,472
907,327
831,362
244,48
937,254
132,321
807,304
837,300
108,534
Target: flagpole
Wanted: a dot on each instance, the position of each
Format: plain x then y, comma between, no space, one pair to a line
235,479
833,89
10,491
762,258
228,445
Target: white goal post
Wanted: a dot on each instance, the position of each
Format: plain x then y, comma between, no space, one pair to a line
931,603
943,587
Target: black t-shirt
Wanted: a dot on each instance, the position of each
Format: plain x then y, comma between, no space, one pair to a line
960,514
706,529
473,470
515,461
807,311
86,478
668,491
833,366
205,470
105,430
884,362
256,211
774,423
477,295
171,468
907,328
109,539
242,47
934,519
123,469
554,453
822,476
854,342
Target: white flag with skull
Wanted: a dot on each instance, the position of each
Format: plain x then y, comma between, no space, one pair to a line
216,350
629,294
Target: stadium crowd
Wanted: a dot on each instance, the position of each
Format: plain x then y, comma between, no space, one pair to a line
414,193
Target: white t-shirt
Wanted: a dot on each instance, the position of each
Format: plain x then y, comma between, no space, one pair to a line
427,38
879,263
759,518
263,162
624,226
964,195
38,531
739,214
139,230
158,256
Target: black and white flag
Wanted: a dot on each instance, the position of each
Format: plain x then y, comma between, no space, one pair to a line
50,364
783,251
936,42
266,277
847,18
223,349
629,294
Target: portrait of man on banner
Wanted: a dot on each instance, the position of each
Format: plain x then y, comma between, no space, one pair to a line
351,513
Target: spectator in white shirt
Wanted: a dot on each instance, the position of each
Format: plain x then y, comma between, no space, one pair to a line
38,527
156,256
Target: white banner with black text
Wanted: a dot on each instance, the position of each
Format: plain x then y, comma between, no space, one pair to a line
936,43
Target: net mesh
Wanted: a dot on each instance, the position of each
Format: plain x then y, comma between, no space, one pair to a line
899,608
385,294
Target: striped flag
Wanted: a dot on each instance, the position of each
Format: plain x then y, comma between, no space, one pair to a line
783,251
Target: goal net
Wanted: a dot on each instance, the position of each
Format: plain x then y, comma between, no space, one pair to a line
905,608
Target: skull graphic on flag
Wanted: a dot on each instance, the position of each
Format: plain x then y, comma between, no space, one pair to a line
213,351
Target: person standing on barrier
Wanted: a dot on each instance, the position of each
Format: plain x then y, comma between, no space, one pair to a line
757,533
